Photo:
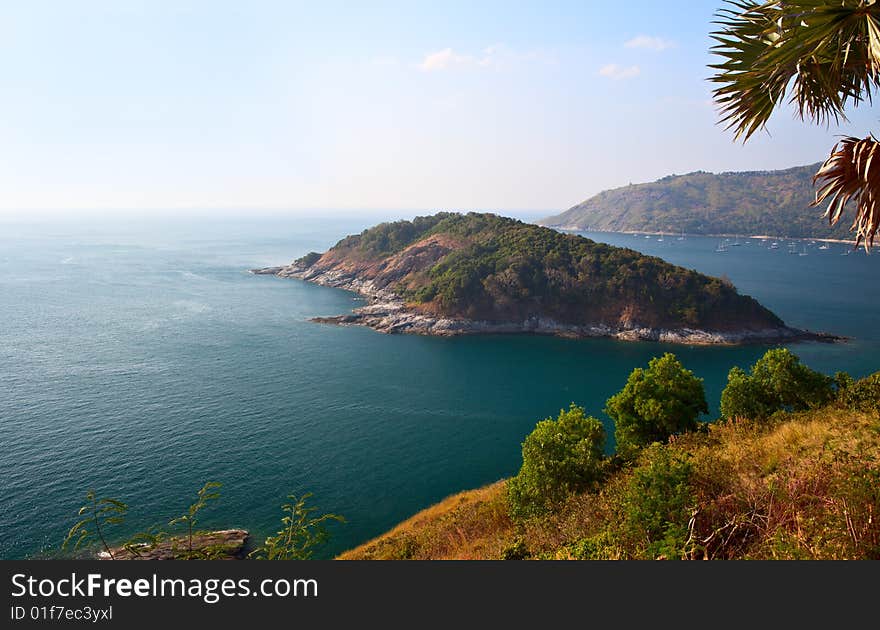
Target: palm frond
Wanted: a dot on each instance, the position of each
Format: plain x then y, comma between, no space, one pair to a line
826,54
852,173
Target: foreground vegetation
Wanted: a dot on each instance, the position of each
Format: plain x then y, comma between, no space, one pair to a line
302,532
790,471
802,482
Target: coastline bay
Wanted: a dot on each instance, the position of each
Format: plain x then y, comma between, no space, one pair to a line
142,365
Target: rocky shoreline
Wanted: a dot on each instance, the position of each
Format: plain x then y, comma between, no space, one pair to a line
388,313
226,544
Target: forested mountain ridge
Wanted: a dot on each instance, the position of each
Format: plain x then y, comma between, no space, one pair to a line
757,203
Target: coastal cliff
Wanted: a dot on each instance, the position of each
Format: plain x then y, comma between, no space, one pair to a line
452,274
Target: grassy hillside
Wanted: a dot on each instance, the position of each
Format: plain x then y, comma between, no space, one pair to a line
486,267
775,203
804,485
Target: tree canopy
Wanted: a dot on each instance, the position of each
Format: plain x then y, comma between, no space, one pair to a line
657,402
777,382
560,456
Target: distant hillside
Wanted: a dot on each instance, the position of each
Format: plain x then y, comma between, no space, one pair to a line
775,203
453,274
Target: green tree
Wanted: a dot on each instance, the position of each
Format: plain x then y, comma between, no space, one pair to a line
191,516
861,395
743,398
301,533
97,515
657,402
777,382
827,55
560,456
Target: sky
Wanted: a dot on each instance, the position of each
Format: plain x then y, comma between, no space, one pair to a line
126,106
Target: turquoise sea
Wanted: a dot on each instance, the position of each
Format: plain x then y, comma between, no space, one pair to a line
140,359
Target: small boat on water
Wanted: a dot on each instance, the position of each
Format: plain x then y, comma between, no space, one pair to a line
774,245
721,247
823,246
803,253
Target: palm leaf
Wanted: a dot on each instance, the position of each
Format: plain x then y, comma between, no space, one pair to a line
852,173
826,54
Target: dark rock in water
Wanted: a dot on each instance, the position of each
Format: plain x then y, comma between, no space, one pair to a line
340,320
227,544
268,271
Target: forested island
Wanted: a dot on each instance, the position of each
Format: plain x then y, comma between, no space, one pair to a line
756,203
453,274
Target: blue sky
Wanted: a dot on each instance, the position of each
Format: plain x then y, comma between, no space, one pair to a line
301,106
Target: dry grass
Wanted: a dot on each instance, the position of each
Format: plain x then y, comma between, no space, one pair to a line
798,486
806,487
465,526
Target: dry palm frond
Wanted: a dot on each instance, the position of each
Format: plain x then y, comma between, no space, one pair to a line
852,173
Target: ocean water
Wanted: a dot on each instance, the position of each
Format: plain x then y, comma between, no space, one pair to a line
141,360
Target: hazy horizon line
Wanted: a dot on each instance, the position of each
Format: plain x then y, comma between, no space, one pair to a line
243,212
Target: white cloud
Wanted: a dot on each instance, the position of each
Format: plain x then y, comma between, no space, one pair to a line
444,59
618,73
495,57
647,42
